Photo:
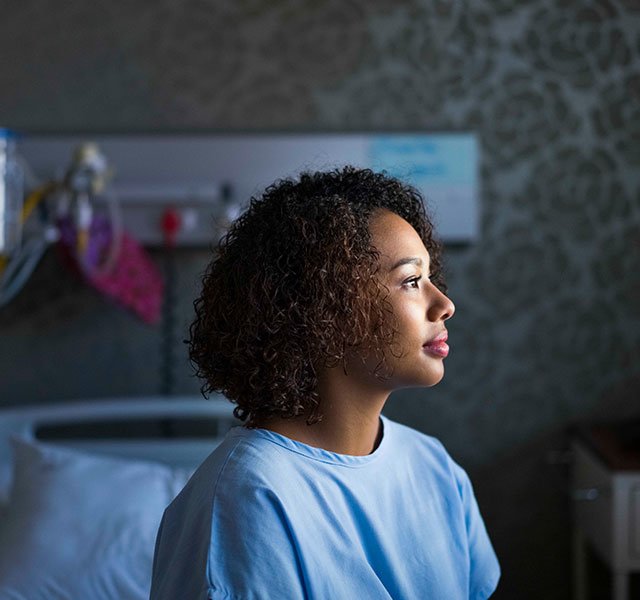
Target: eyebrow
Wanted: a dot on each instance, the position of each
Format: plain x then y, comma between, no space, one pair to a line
409,260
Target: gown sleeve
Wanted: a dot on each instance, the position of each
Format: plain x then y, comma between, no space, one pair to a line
252,554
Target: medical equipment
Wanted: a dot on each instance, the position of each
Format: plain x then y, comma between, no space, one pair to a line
11,191
81,210
56,205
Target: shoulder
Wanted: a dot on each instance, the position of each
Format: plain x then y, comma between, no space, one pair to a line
231,473
244,476
238,476
248,462
405,432
426,457
418,446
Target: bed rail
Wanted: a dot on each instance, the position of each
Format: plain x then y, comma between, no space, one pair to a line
175,449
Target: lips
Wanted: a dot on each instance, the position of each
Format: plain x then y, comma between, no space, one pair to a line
438,345
442,337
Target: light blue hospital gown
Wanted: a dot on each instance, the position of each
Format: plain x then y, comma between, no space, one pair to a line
267,517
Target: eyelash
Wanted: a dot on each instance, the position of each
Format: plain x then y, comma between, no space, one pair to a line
414,280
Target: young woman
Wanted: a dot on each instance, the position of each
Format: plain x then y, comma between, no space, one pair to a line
324,297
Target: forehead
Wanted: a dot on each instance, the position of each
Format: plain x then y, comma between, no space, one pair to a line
395,238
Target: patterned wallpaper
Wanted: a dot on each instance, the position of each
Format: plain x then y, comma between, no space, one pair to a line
547,328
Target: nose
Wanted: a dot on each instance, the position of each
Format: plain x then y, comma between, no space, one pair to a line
440,307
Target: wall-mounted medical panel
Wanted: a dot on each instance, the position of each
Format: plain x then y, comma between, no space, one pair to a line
205,176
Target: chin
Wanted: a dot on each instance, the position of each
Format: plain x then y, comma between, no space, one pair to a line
424,382
435,379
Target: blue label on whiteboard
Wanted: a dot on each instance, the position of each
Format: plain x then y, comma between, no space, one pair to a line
426,159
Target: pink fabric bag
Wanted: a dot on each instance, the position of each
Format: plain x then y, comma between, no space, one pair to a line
133,280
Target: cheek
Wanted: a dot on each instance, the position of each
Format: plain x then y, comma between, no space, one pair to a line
410,319
409,337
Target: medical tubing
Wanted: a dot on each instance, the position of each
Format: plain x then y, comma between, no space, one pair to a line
23,263
83,218
31,179
34,198
115,219
115,245
15,272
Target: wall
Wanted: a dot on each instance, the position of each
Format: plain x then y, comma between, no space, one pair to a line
548,301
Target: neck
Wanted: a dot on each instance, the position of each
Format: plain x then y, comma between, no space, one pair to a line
351,417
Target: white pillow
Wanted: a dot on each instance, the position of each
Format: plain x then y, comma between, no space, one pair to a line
81,526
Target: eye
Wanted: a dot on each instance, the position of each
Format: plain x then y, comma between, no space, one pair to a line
413,282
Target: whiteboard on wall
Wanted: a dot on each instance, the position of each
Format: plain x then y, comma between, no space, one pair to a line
443,166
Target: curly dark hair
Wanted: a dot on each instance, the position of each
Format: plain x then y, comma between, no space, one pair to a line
292,288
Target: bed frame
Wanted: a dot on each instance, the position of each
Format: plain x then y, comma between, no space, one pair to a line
169,441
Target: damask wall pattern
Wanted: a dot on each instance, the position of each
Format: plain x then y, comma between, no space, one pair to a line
547,327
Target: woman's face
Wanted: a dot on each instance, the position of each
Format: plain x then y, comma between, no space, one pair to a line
421,309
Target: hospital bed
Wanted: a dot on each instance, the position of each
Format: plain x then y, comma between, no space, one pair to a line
83,486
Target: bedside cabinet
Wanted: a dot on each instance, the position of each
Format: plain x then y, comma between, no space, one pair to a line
605,489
